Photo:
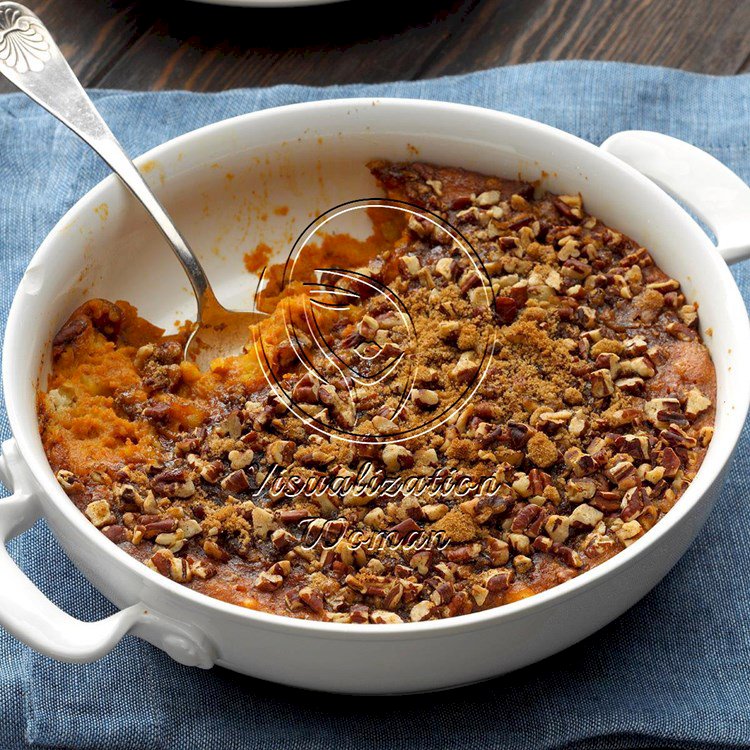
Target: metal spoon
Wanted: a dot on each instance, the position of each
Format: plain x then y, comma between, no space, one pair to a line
30,59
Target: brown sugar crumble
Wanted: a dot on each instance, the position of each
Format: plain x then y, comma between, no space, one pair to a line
591,405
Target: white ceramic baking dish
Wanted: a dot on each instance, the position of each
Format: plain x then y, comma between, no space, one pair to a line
221,184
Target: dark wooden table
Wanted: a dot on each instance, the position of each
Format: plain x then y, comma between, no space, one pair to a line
162,44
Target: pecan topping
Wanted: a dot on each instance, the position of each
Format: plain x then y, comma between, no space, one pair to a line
235,482
562,379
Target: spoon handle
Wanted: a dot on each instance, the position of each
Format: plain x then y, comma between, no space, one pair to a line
30,59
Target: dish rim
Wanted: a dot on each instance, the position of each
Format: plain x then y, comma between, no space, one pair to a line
51,492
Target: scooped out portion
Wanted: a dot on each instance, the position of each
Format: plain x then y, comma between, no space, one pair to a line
414,432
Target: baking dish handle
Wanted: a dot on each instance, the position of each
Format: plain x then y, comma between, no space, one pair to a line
25,611
32,618
711,190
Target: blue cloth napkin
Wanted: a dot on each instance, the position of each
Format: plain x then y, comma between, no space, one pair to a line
674,671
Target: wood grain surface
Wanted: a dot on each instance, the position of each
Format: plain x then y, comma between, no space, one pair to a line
177,44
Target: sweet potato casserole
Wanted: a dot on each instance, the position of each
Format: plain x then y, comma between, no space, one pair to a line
577,380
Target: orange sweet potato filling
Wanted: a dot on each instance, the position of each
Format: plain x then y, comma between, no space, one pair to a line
595,414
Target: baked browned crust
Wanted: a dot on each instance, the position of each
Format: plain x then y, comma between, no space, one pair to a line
593,417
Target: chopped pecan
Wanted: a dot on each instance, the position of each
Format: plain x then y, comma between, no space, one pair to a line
312,599
641,367
212,549
425,399
696,403
67,479
636,446
601,383
662,412
569,556
268,581
681,332
585,515
463,552
236,482
72,330
281,452
558,528
623,474
211,472
581,463
628,532
633,385
283,540
670,462
497,550
518,434
499,580
292,516
466,368
421,611
633,502
173,483
152,529
99,513
525,517
263,521
396,457
506,309
580,489
117,533
384,617
176,568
